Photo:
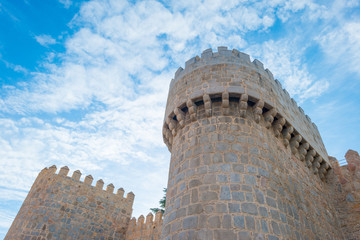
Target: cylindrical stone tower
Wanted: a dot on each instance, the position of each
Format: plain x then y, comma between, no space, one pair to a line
246,162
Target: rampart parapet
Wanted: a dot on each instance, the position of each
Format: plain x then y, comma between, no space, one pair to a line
62,207
145,229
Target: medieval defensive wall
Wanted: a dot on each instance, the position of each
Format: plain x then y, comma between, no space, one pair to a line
62,207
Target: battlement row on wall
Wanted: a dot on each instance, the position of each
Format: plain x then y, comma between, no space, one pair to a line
88,181
350,171
235,56
143,226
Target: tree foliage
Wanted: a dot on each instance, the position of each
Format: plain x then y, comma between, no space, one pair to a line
162,203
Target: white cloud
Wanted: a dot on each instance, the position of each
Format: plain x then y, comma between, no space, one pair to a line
286,62
66,3
342,46
315,90
6,218
45,40
14,67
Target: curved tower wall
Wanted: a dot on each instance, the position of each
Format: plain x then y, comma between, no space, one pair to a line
245,160
62,207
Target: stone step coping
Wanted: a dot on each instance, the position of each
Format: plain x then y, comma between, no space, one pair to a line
88,181
176,120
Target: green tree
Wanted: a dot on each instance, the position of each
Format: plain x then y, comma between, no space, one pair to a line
162,203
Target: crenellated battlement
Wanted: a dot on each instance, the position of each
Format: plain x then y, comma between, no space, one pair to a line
145,228
349,174
347,193
88,180
228,79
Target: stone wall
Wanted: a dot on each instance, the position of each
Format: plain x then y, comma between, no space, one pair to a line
62,207
245,163
346,189
145,230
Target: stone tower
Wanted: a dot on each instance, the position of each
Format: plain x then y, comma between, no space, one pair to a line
62,207
246,162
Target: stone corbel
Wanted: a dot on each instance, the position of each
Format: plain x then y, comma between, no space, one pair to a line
180,116
225,103
323,170
287,134
278,126
207,104
309,158
192,109
243,105
316,164
172,125
303,150
258,110
269,117
295,142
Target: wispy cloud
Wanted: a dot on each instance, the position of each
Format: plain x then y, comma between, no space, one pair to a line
6,218
287,62
342,45
14,67
66,3
45,40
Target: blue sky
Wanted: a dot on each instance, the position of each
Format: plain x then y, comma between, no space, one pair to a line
84,83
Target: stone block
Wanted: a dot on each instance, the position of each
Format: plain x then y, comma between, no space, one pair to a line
195,209
239,222
249,208
275,227
250,222
264,226
234,207
190,222
224,234
214,222
250,179
231,157
238,196
259,196
235,178
209,196
226,222
271,202
221,178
